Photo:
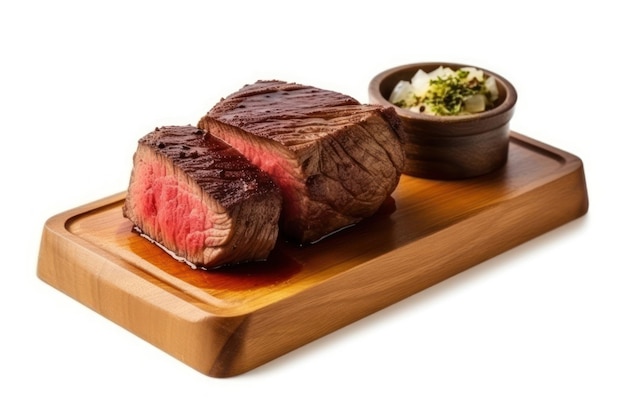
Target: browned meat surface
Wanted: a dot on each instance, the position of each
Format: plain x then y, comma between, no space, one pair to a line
201,199
335,160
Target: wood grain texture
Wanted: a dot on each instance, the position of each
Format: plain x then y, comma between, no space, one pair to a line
228,321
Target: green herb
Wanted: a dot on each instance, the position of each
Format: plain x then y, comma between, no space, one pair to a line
447,95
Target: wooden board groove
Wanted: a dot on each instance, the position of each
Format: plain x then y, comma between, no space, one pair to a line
226,322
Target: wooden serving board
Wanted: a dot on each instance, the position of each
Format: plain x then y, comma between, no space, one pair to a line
228,321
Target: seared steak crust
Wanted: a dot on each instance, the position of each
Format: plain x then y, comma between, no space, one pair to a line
335,160
201,199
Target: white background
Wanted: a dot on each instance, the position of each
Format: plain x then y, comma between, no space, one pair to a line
537,331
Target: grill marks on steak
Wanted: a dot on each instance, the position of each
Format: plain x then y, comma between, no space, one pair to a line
201,199
313,160
335,160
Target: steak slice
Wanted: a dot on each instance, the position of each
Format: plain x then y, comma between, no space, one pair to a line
200,199
335,160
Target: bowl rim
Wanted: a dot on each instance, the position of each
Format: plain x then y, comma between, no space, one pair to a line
505,106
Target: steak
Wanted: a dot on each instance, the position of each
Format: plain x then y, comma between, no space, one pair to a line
200,199
335,160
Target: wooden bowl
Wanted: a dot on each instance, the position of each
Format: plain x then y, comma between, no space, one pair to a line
450,147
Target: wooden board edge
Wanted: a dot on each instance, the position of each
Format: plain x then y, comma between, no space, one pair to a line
494,231
129,297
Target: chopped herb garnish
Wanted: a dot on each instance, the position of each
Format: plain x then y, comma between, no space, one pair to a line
446,92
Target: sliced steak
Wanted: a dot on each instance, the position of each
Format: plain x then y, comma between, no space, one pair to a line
335,160
202,200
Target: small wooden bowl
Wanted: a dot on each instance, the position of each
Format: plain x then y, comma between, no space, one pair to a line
450,147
